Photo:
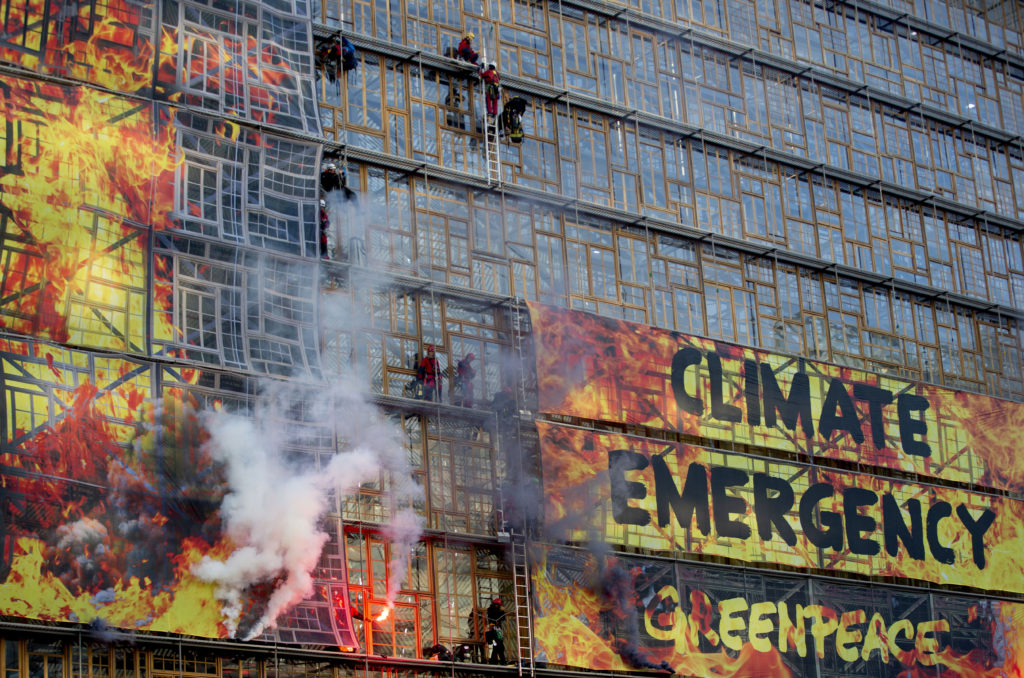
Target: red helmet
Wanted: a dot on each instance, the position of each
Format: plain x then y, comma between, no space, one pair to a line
496,601
470,356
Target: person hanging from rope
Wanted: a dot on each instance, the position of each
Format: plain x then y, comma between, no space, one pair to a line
330,178
492,90
328,57
335,57
325,227
465,50
348,55
512,119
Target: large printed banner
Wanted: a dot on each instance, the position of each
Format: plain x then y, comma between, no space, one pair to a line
249,61
684,499
611,370
107,43
89,180
85,173
616,613
109,499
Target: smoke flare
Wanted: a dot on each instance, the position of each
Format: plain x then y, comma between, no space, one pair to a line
273,509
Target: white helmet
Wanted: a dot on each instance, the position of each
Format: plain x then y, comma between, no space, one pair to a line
331,166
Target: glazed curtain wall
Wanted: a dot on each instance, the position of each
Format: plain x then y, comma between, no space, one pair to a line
596,156
514,246
632,60
843,125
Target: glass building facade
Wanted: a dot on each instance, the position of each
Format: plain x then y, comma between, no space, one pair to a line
842,183
836,181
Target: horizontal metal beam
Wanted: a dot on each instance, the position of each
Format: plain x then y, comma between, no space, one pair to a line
922,26
799,70
557,202
279,130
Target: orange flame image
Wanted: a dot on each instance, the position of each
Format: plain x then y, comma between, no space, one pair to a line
113,56
604,369
251,72
98,161
104,533
98,43
573,627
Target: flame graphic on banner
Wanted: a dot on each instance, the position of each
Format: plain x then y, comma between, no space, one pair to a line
106,170
604,369
575,627
101,532
190,607
95,42
990,427
250,76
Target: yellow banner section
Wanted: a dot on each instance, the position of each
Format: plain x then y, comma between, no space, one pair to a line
106,43
97,519
678,498
93,176
611,370
110,498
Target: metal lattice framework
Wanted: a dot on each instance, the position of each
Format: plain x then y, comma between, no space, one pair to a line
255,62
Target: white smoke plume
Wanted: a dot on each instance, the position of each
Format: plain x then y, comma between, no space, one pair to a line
350,216
272,511
403,531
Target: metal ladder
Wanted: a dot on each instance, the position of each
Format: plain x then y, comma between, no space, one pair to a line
492,150
520,536
524,617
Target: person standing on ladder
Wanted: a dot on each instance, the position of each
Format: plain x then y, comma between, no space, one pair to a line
492,91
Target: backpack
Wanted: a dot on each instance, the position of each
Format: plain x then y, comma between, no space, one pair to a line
413,389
